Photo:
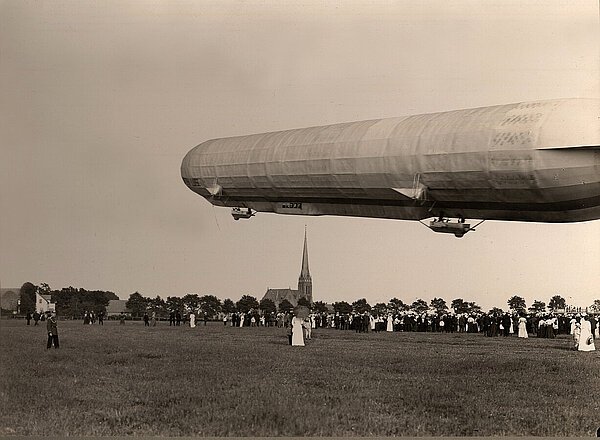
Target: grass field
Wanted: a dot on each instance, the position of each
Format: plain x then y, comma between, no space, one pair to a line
223,381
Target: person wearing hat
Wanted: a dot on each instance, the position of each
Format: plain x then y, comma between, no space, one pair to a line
52,329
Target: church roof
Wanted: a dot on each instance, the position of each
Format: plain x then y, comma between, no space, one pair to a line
116,306
278,295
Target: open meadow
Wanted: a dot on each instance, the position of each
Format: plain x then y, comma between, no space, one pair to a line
222,381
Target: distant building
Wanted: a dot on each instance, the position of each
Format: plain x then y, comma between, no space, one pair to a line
304,284
117,306
9,298
43,303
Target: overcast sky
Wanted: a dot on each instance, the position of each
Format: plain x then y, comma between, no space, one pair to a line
100,101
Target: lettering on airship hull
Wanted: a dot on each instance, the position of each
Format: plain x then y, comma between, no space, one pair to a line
291,205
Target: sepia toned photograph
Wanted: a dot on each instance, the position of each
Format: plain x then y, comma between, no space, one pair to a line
300,218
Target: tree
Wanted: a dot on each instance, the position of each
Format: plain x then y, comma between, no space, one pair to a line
44,289
557,302
27,298
137,304
459,306
537,307
472,308
320,307
396,306
304,302
439,305
191,301
267,306
419,306
247,303
595,307
496,311
74,302
285,306
516,304
210,305
342,307
228,306
380,309
174,303
361,306
158,306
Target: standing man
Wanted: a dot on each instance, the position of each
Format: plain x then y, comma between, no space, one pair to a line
28,317
52,328
506,322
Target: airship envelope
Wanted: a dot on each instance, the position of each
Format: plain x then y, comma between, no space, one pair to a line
531,161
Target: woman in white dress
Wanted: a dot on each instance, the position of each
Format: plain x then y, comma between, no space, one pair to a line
523,327
586,340
242,320
390,324
297,332
192,320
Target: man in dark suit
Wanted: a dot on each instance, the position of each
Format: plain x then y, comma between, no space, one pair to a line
506,321
52,328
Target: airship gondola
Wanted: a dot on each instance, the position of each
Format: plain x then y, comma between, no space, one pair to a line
531,161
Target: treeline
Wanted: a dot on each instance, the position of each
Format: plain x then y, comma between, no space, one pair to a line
74,302
70,301
210,306
459,306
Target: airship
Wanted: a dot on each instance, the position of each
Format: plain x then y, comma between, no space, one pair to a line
530,161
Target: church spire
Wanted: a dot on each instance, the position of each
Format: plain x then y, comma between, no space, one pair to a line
305,272
305,280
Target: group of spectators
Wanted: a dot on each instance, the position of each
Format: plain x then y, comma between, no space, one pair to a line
91,317
35,316
489,324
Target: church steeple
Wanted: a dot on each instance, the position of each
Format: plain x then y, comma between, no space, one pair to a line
305,280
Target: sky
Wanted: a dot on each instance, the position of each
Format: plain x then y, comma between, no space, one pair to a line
101,100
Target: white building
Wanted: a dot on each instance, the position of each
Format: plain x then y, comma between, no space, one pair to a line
43,304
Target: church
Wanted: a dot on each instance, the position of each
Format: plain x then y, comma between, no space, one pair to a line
304,284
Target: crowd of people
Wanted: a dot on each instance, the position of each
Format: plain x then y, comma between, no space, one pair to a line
583,328
89,317
489,324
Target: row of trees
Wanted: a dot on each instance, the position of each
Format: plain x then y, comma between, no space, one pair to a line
210,305
73,302
70,301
